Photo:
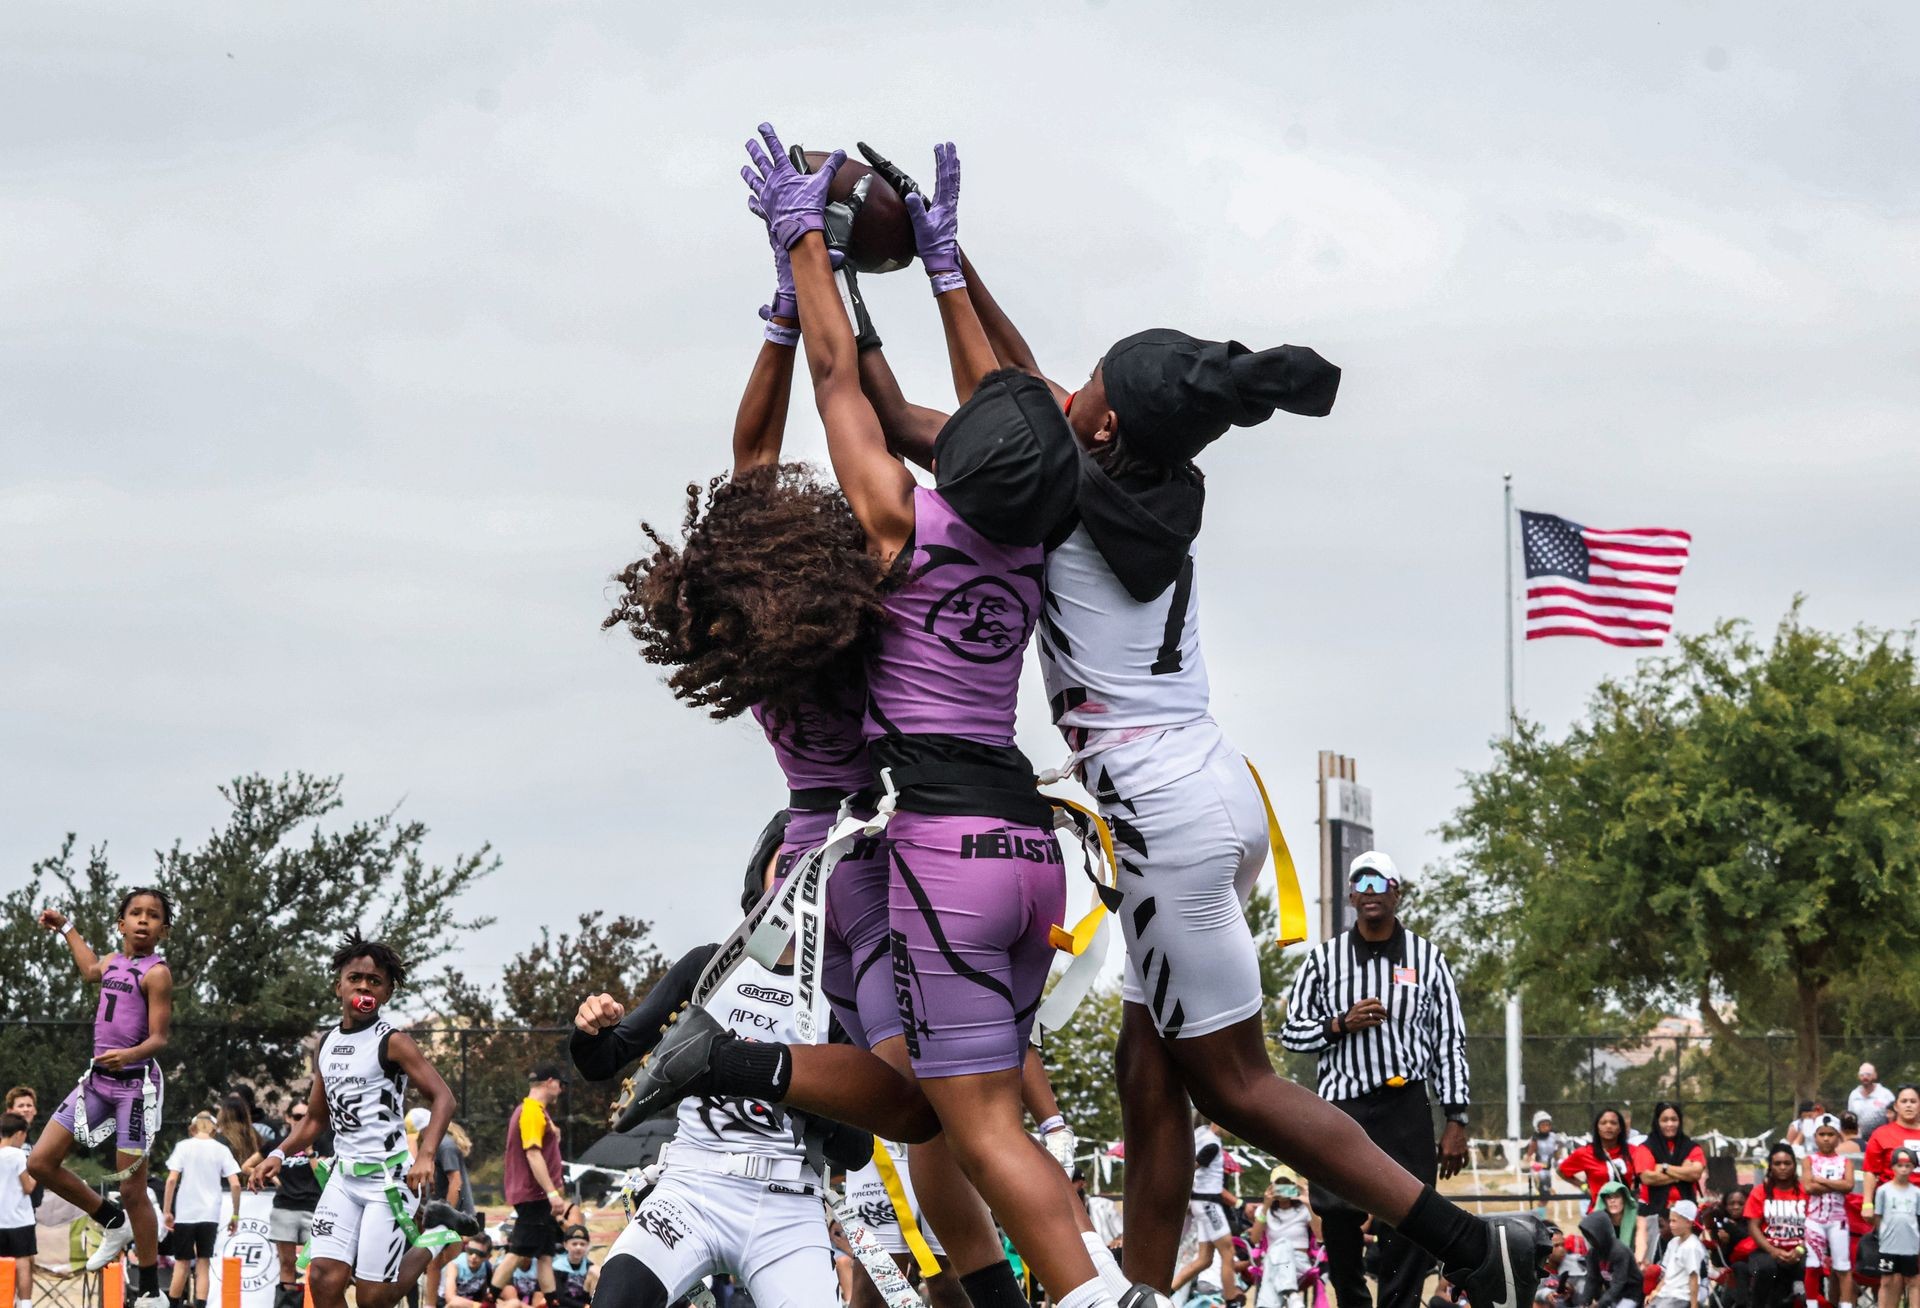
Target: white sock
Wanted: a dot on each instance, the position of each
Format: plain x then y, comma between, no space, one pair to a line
1115,1279
1090,1294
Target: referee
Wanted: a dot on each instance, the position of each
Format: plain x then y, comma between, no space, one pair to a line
1377,1003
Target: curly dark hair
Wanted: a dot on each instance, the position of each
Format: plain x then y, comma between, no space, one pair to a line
771,598
165,901
383,955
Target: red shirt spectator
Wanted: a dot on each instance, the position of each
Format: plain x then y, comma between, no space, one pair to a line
1780,1206
1608,1157
1901,1132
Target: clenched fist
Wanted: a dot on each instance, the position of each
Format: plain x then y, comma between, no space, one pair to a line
598,1014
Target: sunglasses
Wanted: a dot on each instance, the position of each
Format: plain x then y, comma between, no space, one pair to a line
1370,883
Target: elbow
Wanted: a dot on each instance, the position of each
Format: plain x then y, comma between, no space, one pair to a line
835,373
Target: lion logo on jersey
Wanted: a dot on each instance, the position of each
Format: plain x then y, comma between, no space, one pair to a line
983,620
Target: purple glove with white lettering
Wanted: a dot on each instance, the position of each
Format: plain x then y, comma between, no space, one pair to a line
936,226
785,303
793,201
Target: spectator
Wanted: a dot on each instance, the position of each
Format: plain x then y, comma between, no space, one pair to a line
1899,1228
574,1276
1553,1290
1675,1165
269,1131
1544,1146
235,1129
1850,1135
191,1205
22,1100
1777,1220
1869,1101
17,1238
1683,1265
291,1225
1902,1132
452,1186
468,1282
531,1179
1606,1157
1827,1176
1800,1129
1286,1231
1613,1277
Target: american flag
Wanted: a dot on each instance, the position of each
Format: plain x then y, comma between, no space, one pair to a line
1616,586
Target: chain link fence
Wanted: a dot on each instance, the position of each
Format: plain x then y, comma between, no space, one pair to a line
1740,1087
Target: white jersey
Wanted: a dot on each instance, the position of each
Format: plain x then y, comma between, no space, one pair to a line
1209,1163
366,1094
757,1003
1117,669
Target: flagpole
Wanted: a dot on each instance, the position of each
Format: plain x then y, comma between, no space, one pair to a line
1513,999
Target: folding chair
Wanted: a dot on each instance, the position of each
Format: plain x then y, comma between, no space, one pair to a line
63,1281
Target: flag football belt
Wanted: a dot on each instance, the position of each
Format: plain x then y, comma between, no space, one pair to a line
879,1263
1288,899
903,1211
679,1157
397,1199
92,1137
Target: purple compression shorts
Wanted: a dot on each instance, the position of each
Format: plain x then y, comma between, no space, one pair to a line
971,900
119,1098
858,985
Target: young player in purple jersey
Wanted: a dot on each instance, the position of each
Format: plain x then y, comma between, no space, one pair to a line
976,874
121,1092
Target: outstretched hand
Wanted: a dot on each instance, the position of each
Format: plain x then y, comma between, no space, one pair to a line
936,226
792,202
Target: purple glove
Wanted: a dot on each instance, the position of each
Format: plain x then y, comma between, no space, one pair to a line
792,201
785,303
936,226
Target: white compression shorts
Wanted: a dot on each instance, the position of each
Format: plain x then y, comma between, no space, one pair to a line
868,1195
771,1236
1190,851
1207,1220
353,1224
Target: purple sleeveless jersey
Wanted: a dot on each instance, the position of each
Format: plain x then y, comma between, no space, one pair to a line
121,1020
818,748
948,662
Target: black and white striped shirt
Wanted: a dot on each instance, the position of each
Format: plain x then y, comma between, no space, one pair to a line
1423,1038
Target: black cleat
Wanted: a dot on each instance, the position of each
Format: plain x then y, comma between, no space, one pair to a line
1507,1277
434,1213
677,1067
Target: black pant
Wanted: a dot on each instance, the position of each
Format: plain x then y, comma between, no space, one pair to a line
1775,1284
1400,1120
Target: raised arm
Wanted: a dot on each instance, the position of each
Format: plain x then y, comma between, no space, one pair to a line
910,428
83,956
876,484
936,238
761,422
1009,346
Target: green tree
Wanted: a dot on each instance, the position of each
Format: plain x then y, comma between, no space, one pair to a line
1734,829
259,906
495,1036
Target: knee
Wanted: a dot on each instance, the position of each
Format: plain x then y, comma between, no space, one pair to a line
916,1122
133,1193
626,1282
329,1278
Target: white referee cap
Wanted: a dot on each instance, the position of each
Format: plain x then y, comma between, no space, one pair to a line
417,1119
1374,861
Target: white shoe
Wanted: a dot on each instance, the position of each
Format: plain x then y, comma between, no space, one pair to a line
154,1300
112,1244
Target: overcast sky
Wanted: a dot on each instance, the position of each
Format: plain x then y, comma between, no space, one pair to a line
343,347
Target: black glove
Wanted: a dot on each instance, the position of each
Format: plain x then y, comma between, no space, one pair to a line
902,184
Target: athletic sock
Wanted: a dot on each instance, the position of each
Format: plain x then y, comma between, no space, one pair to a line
1116,1280
147,1279
109,1213
1446,1230
754,1069
1089,1294
994,1286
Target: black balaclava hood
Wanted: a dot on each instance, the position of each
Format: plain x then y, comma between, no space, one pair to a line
1005,460
763,850
1176,394
1142,519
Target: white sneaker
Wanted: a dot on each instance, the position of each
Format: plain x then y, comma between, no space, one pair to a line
154,1300
112,1244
